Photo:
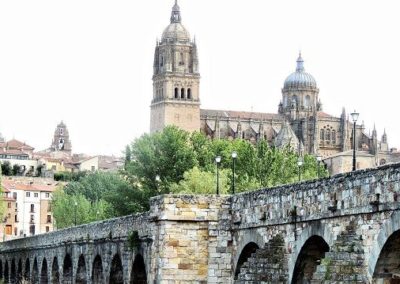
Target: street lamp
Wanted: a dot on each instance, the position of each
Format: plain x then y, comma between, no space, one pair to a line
217,161
300,164
234,156
158,179
319,159
76,205
354,117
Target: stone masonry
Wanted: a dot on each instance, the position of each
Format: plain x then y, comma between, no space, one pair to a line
344,229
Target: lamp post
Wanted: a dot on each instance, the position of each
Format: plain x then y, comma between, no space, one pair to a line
354,117
158,179
234,156
300,164
319,159
76,205
217,161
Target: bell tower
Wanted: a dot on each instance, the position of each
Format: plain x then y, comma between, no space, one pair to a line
176,78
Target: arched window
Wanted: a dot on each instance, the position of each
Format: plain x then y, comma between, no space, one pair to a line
322,135
182,93
162,61
176,93
189,94
294,101
328,135
333,137
181,61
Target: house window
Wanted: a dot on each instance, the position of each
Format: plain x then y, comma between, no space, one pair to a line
32,229
49,208
16,218
15,195
48,218
9,205
8,229
47,229
47,195
36,194
93,168
32,207
32,219
28,194
15,231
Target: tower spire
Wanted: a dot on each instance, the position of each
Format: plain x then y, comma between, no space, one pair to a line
176,13
300,63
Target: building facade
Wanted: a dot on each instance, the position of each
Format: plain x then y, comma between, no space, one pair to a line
299,121
27,207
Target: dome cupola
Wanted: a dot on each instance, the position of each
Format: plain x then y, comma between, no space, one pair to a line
300,79
175,30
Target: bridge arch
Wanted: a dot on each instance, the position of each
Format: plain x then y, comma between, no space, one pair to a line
246,252
387,243
27,271
19,271
315,229
67,269
310,255
116,272
97,271
35,272
55,272
81,277
250,237
6,271
138,274
13,274
44,279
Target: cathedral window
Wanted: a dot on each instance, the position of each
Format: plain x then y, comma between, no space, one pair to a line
322,135
189,94
182,93
176,93
162,61
328,135
333,137
181,61
61,131
307,101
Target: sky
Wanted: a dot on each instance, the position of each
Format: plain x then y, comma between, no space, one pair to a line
89,62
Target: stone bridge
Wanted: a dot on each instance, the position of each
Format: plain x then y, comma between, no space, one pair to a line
344,229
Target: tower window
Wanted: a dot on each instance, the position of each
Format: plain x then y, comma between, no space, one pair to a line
181,62
189,94
162,61
307,101
176,93
182,93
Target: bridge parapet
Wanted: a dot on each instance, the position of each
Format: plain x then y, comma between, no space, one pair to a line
359,192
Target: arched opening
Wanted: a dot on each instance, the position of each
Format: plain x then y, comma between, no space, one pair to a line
19,271
97,273
55,273
138,275
182,93
67,269
43,273
309,257
35,272
27,271
294,101
13,274
176,94
387,269
116,273
81,272
189,94
6,275
249,249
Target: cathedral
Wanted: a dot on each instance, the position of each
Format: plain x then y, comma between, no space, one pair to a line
299,122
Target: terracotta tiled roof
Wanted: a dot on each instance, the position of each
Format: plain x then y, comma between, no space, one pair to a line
16,144
239,114
13,152
12,185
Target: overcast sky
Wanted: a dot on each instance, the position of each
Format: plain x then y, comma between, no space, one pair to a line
89,62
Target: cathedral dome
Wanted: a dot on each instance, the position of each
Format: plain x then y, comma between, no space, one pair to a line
300,79
176,31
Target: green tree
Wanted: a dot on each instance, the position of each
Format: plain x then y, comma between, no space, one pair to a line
196,181
167,154
16,169
6,168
